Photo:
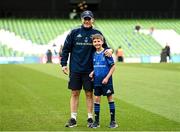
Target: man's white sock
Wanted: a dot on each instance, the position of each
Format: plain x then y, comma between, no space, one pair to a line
74,115
90,115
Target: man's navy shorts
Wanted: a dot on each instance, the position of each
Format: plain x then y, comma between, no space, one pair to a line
79,80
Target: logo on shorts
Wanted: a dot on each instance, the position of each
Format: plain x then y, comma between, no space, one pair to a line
109,91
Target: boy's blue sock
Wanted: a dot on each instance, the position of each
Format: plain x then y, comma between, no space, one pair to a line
96,111
112,110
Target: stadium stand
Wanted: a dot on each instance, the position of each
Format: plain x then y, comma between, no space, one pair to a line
43,32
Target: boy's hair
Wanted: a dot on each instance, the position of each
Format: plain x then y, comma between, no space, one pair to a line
97,36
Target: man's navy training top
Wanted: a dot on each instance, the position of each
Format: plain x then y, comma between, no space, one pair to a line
79,44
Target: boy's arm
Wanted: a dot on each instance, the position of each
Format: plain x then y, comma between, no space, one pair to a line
106,79
91,74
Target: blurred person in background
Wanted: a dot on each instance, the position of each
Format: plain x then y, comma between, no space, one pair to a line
49,56
119,54
168,51
165,54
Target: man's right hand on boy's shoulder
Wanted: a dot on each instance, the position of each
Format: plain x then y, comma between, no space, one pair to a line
108,52
65,70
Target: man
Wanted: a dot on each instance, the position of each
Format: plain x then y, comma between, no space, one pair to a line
79,44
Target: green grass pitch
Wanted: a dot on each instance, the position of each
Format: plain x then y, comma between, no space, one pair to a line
35,97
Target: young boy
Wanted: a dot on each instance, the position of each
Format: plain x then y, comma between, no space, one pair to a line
102,76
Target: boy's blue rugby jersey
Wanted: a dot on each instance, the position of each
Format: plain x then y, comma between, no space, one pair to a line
102,66
79,44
